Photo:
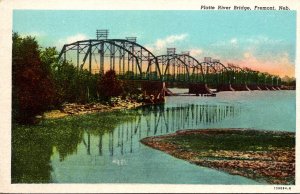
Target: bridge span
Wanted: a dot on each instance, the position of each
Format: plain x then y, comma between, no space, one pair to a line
132,61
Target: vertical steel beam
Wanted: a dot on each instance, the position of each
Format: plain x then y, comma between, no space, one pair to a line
90,56
123,55
65,56
102,58
128,64
113,55
110,57
120,60
77,57
132,59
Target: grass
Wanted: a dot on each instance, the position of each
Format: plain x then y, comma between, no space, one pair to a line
249,140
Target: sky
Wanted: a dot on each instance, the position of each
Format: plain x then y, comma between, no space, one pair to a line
260,40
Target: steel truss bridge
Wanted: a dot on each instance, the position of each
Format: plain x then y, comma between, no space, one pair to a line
132,61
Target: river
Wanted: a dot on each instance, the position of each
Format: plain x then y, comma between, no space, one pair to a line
119,157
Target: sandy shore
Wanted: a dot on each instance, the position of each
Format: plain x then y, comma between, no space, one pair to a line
265,156
77,109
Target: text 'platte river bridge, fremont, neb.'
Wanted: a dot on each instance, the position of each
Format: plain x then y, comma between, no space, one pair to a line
132,61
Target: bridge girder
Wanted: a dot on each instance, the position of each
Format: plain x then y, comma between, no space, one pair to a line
180,67
136,55
133,61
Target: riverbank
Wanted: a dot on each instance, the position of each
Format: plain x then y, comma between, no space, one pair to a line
265,156
79,109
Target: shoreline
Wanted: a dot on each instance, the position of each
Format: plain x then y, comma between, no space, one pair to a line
69,109
234,151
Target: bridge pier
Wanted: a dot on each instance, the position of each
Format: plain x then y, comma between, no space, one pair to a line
263,87
271,87
241,87
254,87
154,92
225,87
199,89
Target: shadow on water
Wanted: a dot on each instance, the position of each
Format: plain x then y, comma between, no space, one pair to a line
158,120
116,133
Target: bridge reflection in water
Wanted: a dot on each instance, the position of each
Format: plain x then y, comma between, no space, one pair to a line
156,120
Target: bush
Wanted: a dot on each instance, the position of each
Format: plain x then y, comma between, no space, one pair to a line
109,86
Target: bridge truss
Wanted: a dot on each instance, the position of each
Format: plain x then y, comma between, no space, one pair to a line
133,61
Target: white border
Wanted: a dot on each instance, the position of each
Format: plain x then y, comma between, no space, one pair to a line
6,8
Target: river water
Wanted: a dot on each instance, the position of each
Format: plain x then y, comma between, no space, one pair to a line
119,157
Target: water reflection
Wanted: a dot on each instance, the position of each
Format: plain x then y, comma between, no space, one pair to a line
158,120
33,146
104,147
101,135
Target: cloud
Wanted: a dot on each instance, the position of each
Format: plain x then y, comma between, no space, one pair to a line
160,46
279,64
262,47
196,52
257,43
71,39
247,55
258,40
76,38
233,41
254,41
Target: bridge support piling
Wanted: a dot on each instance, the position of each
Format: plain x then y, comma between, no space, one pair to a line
154,92
241,87
225,87
199,89
253,87
271,87
263,87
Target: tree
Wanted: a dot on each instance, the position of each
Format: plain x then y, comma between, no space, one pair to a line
32,85
109,86
65,78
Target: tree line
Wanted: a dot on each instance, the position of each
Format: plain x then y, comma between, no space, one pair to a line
41,82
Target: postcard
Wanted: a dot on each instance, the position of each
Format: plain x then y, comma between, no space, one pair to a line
149,96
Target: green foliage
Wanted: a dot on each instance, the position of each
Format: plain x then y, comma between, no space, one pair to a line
129,75
31,152
250,140
41,81
65,82
261,78
32,85
130,89
73,85
48,57
287,81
